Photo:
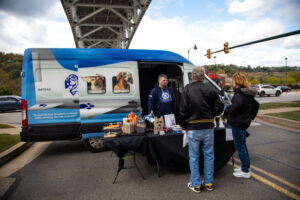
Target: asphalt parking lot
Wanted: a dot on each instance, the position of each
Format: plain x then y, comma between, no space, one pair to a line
65,170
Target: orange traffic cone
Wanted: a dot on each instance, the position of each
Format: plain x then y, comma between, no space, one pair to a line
286,91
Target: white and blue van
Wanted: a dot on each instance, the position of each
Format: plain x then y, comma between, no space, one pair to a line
70,94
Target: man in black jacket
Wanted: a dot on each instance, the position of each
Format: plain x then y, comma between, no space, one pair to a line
200,103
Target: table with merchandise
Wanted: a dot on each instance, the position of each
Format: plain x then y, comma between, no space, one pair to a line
163,148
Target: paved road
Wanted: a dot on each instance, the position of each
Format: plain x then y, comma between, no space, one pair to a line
65,170
292,96
13,117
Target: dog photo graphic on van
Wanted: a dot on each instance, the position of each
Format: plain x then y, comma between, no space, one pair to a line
95,84
122,82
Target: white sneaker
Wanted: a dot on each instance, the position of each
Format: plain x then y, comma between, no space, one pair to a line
241,174
239,169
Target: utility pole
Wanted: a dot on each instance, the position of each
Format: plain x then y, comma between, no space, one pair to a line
215,63
286,69
194,47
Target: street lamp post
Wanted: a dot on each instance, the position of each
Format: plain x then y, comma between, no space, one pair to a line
215,63
194,47
285,70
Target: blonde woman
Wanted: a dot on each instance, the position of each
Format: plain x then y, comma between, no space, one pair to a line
243,109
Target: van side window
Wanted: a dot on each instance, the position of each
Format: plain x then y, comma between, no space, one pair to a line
122,82
95,84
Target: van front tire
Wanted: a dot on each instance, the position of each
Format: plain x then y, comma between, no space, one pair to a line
95,144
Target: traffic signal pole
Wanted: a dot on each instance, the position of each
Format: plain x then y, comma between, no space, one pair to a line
258,41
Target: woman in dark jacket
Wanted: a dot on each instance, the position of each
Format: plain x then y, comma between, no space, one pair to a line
243,109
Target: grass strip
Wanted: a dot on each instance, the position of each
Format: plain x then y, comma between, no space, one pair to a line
294,115
264,106
7,141
6,126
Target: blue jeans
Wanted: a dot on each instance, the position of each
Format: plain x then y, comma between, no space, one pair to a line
239,138
203,139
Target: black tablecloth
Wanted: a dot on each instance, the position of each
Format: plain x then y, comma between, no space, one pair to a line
121,145
167,149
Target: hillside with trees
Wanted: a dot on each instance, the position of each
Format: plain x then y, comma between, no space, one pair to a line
10,70
259,75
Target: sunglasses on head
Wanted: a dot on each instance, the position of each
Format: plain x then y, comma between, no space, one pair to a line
124,73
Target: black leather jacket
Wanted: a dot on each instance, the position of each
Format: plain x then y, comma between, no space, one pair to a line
200,101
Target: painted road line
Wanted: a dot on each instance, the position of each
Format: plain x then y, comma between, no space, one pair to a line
272,185
276,178
287,183
255,124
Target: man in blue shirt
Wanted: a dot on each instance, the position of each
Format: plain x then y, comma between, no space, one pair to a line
161,99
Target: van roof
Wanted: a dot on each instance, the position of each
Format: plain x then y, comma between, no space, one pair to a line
107,54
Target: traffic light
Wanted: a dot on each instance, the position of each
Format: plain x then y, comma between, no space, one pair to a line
226,47
208,53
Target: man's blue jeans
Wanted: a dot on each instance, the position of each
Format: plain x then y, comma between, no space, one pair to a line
239,138
203,139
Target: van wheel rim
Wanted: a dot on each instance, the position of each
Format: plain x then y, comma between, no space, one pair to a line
96,143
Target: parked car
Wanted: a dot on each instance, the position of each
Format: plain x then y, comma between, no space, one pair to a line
284,88
10,103
268,90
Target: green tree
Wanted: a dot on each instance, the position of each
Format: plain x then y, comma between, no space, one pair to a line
220,71
295,75
4,90
273,80
14,74
4,77
291,80
255,82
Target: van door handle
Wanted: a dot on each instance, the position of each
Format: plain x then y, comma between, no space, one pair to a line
76,101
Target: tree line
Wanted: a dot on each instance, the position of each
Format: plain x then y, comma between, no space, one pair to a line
289,75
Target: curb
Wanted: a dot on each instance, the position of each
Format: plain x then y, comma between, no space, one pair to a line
14,151
7,186
280,121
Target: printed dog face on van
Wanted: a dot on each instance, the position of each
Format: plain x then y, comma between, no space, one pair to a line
123,81
96,83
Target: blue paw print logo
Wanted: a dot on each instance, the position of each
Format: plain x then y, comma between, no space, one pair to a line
87,106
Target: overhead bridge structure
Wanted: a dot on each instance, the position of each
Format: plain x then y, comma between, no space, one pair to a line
104,23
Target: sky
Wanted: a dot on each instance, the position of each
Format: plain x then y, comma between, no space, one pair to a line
173,25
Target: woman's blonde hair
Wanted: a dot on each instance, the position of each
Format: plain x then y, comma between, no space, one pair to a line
240,79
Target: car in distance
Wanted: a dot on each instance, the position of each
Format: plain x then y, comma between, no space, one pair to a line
10,102
263,90
284,88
